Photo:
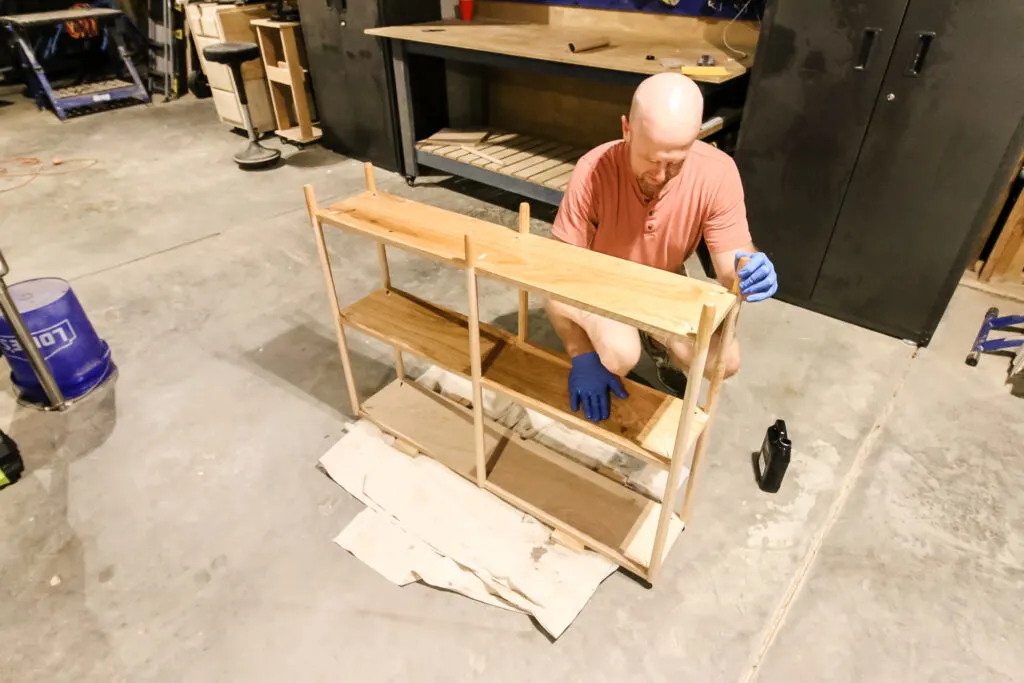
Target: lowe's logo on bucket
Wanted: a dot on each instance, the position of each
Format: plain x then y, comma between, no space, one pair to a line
50,341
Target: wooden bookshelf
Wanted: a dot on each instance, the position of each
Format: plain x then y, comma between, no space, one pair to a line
598,512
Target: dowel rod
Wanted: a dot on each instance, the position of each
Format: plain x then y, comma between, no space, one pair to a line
715,388
371,184
385,277
385,271
474,362
524,296
332,297
687,422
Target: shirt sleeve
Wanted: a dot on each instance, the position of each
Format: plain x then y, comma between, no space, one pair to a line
725,227
576,220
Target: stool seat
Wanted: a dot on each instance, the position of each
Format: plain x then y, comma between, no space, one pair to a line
231,53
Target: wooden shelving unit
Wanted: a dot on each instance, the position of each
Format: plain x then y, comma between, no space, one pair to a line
594,510
284,59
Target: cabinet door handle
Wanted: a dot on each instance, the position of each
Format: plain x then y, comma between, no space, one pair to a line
921,47
867,43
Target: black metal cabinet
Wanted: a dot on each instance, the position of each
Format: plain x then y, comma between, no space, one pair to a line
875,138
351,74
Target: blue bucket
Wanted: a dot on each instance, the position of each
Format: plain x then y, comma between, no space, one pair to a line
79,360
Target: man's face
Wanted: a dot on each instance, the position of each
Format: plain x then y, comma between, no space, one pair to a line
654,161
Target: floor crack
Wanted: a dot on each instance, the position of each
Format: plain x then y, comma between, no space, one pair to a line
865,449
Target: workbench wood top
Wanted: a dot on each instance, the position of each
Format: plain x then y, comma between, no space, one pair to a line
648,298
628,50
59,16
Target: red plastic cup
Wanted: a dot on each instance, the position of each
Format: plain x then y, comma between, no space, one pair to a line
466,9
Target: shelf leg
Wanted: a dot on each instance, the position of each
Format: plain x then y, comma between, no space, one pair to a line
385,271
332,297
475,362
524,296
715,388
687,421
385,276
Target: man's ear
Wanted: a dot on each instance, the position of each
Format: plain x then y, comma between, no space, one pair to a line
625,128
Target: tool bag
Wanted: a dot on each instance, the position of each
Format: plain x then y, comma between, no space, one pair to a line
11,465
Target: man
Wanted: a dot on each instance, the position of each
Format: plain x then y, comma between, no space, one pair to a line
650,197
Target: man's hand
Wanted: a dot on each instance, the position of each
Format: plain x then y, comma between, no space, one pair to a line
589,382
757,278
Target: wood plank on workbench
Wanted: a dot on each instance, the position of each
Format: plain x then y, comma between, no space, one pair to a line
644,424
603,284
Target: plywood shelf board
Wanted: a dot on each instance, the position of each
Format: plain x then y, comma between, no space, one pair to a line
644,425
561,493
596,282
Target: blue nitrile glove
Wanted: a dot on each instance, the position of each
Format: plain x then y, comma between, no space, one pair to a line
757,278
589,382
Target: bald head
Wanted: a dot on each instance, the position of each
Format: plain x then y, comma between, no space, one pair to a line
667,107
664,121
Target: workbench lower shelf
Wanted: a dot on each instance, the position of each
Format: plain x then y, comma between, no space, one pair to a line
563,494
644,425
528,165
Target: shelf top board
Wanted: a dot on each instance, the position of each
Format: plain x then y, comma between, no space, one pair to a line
627,51
648,298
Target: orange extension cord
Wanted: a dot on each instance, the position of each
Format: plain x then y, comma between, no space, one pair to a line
30,168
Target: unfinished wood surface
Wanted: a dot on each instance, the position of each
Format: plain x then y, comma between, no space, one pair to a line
711,404
591,509
686,428
290,39
473,325
993,219
234,23
643,425
1010,290
458,136
483,155
1006,262
540,160
522,329
626,51
593,281
566,540
574,111
283,55
742,34
332,297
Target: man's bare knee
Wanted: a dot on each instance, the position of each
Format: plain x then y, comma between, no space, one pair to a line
732,363
682,355
619,359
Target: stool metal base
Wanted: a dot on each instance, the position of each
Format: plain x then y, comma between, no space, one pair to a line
256,155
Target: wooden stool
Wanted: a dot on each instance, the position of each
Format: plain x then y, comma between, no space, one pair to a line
284,59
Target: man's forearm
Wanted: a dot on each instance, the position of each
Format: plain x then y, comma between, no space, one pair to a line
573,337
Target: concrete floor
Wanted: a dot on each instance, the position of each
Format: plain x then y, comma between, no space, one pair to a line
191,533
